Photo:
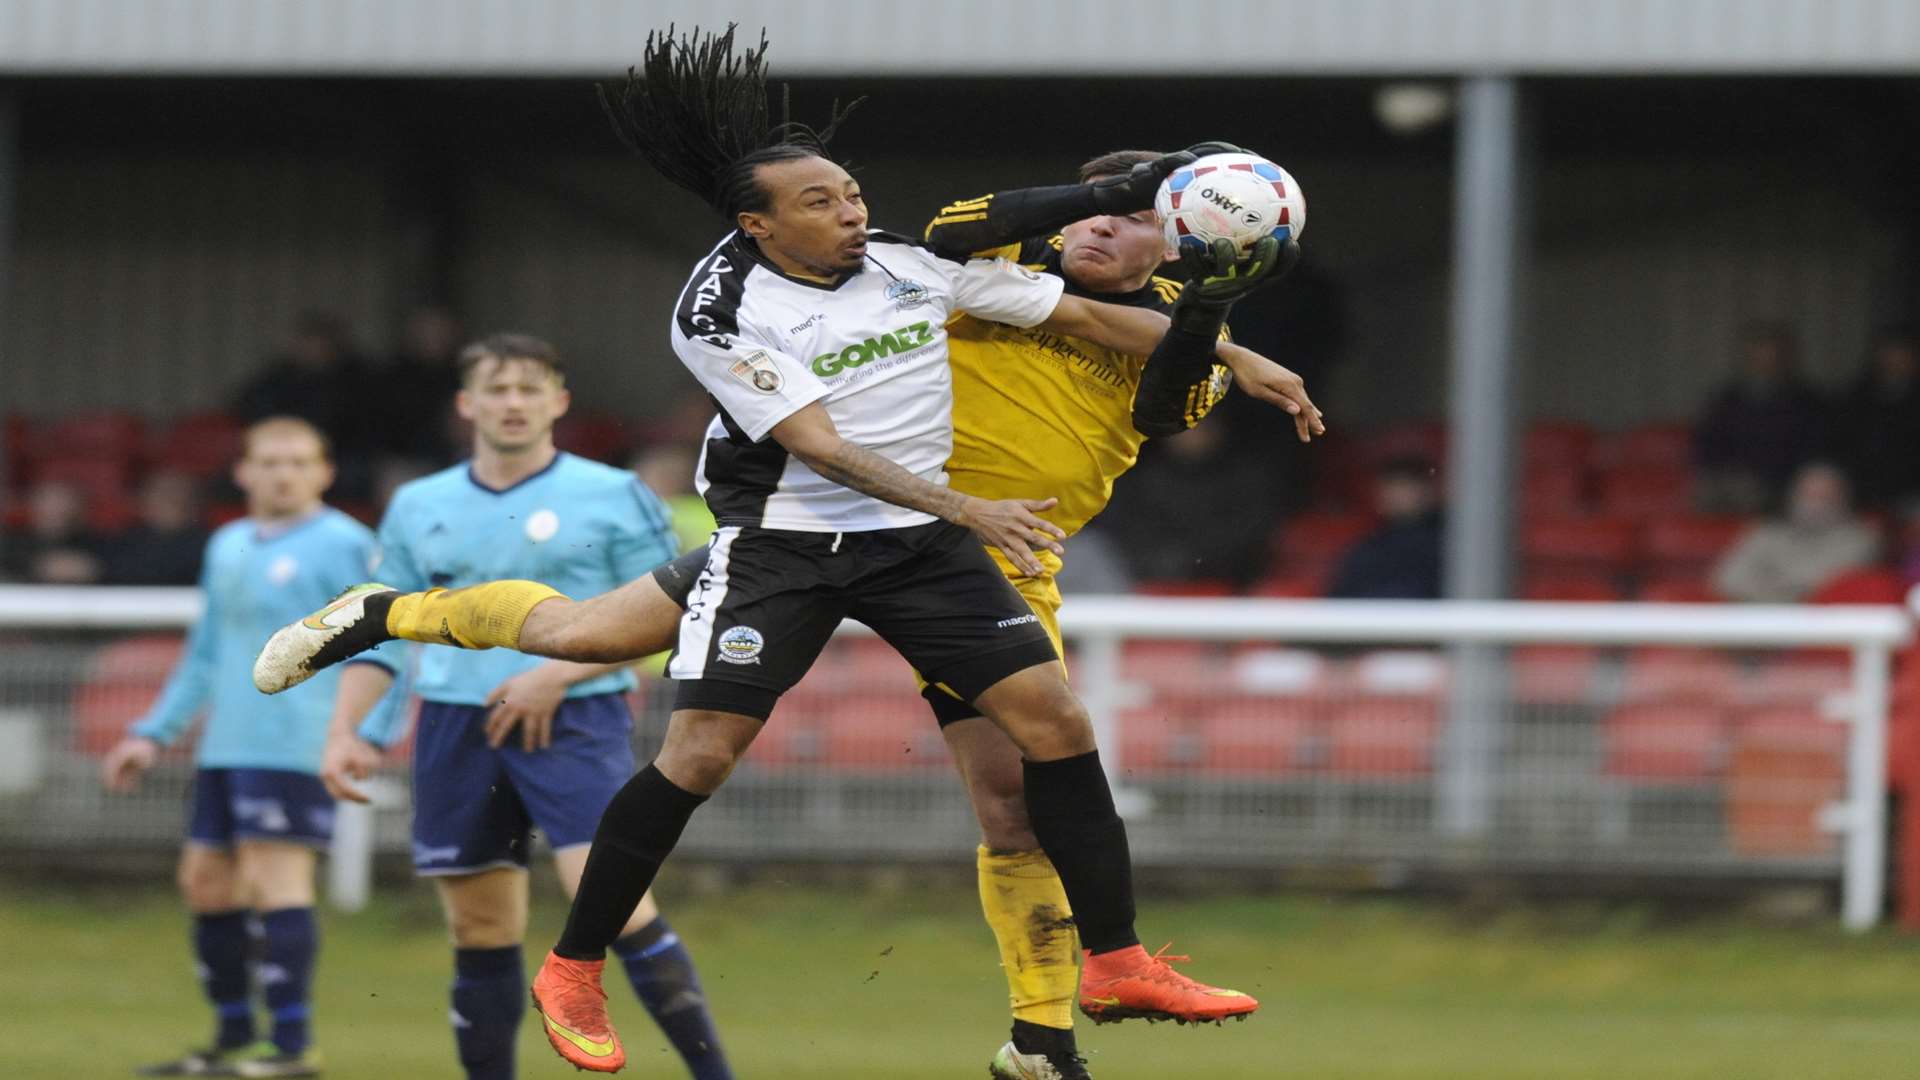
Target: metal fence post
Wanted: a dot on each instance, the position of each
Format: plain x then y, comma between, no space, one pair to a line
1864,871
1098,680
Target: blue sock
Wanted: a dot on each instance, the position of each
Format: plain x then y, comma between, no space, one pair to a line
286,973
662,974
220,945
489,998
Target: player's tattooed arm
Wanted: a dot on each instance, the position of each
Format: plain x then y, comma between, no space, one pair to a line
1012,525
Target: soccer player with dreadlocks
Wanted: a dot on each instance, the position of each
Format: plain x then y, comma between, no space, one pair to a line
790,325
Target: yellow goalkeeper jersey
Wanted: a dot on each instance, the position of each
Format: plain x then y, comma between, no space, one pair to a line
1038,414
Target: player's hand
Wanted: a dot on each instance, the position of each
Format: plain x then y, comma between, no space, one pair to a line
1134,192
121,769
347,761
527,701
1221,276
1016,528
1267,381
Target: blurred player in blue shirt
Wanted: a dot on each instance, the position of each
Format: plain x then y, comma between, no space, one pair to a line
259,811
507,742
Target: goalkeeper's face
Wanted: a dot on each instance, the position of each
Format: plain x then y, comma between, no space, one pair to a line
512,403
1112,253
815,222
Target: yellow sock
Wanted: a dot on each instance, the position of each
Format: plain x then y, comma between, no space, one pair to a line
1026,906
476,617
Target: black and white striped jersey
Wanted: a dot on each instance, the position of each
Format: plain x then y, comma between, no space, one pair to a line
872,349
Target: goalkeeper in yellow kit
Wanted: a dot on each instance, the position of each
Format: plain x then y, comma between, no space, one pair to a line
1034,412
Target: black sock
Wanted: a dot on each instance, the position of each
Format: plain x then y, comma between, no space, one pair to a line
1040,1039
1071,808
636,834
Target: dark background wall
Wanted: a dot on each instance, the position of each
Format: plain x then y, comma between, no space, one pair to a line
170,230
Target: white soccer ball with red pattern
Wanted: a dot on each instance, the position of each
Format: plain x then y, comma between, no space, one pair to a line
1241,197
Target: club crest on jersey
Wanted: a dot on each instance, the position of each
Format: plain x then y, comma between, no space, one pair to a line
907,293
541,525
757,370
283,570
741,645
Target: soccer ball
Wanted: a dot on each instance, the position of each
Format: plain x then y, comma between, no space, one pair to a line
1239,197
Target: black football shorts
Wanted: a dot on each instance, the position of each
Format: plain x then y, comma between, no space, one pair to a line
761,604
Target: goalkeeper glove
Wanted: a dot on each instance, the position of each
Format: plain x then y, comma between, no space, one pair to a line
1221,277
1134,192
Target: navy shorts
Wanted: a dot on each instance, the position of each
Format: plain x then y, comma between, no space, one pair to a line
259,804
474,807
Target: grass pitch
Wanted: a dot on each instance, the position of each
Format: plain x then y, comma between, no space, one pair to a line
811,984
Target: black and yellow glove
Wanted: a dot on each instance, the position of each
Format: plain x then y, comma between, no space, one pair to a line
1134,192
1221,277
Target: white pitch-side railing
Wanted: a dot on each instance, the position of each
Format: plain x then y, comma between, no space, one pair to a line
1099,626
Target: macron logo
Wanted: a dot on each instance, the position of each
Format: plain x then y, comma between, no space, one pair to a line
1004,623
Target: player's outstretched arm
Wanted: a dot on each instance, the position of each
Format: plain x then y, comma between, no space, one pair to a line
1007,217
1012,525
1176,389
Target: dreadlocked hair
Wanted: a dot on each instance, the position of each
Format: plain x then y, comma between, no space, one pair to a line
698,113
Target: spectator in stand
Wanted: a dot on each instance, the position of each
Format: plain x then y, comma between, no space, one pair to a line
1190,511
57,547
1876,431
1400,560
1782,562
321,379
425,370
1760,427
165,547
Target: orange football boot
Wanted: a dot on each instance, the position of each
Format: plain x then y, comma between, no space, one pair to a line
1127,984
573,1011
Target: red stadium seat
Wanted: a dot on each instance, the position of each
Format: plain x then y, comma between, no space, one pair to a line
1382,736
1558,444
1569,586
1285,586
1596,545
1806,676
1669,445
1173,667
1553,491
1689,545
1681,675
1665,741
1786,766
1643,492
1867,585
1553,674
1160,739
1679,590
1259,734
111,435
121,683
203,444
884,732
99,479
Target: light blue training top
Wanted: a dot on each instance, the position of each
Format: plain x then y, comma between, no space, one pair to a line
577,525
257,580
